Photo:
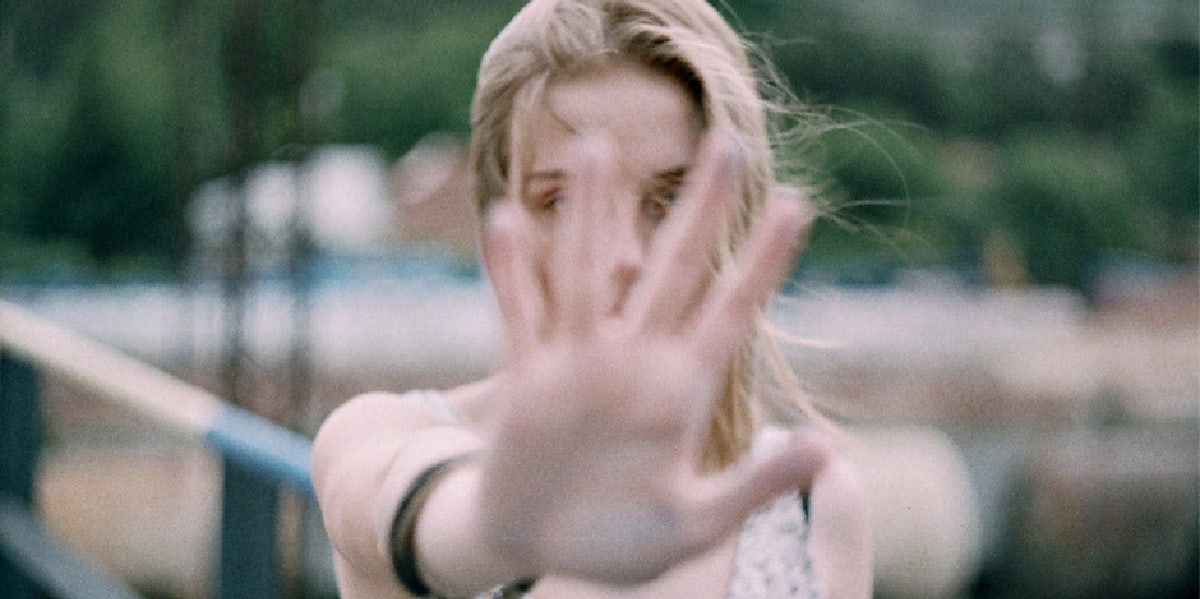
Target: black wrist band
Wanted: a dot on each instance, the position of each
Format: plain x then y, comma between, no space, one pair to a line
404,558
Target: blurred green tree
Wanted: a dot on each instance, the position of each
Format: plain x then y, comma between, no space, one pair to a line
110,111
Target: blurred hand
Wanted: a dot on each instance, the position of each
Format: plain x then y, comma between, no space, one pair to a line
592,468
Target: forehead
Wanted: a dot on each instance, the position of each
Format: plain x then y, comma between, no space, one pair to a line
649,116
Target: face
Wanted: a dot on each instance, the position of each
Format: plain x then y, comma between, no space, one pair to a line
652,127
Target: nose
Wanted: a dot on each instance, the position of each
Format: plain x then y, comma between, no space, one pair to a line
627,253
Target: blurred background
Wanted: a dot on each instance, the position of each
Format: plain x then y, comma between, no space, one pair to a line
269,198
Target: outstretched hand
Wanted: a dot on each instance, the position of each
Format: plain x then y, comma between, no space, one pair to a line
593,464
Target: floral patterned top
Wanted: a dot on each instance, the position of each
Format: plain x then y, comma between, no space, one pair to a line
772,558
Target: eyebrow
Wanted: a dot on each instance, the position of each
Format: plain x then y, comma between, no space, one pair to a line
677,172
672,174
549,175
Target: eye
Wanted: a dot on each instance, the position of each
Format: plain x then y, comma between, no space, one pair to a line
552,202
656,206
545,201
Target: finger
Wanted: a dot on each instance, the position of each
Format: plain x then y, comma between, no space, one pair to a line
732,309
719,504
508,248
681,260
575,270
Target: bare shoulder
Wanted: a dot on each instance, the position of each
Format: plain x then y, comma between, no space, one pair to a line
840,539
392,413
375,412
373,422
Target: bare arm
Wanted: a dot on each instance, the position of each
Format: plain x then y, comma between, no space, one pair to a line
365,456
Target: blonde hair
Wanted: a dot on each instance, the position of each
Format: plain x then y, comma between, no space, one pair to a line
689,41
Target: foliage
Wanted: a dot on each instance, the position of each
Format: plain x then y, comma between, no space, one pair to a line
110,111
949,152
404,82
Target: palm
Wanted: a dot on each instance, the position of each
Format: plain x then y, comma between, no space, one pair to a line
614,435
592,469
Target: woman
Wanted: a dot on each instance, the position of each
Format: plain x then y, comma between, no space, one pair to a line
634,231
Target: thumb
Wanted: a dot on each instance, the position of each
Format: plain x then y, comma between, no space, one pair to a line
720,503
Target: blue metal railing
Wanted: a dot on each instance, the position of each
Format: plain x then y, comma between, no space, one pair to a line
259,458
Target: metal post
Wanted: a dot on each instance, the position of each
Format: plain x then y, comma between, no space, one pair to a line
249,565
20,440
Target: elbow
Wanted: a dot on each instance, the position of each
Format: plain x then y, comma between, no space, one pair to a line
349,458
329,442
329,465
328,450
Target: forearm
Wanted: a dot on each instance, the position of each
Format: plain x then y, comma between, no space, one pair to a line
451,553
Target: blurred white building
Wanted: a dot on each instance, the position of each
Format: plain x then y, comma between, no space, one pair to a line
339,198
